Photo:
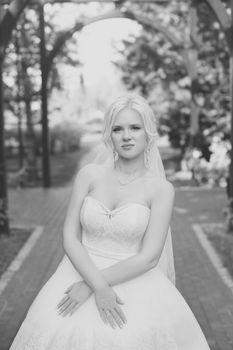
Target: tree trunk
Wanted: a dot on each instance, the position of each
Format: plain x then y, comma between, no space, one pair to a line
7,24
19,110
230,216
44,105
30,134
30,145
4,227
193,58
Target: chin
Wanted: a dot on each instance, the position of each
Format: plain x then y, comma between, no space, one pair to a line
129,156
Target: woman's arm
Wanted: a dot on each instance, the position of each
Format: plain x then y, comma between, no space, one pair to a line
106,300
153,241
152,245
72,231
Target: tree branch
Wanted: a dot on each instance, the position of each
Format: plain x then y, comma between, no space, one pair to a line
145,21
10,19
223,18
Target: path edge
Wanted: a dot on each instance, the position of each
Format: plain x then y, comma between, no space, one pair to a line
21,256
213,256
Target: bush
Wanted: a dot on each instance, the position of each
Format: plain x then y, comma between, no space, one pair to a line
65,137
213,172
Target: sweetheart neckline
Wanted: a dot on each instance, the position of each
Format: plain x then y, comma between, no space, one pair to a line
118,208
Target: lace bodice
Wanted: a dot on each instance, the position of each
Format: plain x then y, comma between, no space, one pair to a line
116,233
155,311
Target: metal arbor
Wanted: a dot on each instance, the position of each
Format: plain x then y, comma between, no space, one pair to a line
7,24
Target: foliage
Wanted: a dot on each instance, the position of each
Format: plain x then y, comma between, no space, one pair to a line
152,66
211,165
22,81
65,137
23,64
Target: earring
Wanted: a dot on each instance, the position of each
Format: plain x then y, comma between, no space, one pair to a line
115,155
146,157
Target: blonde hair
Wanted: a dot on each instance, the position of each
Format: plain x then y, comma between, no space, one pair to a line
136,103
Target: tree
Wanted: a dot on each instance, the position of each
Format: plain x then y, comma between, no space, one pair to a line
7,24
155,66
222,11
151,63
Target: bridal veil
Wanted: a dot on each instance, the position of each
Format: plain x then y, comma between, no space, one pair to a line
103,154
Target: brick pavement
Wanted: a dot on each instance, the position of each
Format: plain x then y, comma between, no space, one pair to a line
199,283
39,207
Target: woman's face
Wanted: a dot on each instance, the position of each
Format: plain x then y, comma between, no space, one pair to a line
128,134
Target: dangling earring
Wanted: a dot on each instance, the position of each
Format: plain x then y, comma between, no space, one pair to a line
115,155
146,157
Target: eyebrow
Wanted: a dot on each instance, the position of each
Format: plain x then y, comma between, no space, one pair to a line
134,124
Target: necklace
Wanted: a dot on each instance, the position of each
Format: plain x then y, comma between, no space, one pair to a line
129,179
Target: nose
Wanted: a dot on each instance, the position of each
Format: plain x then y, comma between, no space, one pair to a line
126,134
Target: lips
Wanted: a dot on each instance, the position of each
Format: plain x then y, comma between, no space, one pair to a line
128,146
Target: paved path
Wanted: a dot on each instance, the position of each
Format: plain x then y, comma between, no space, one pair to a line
209,298
39,207
198,281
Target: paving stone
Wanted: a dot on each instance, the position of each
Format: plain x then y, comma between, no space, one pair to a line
209,298
32,207
199,282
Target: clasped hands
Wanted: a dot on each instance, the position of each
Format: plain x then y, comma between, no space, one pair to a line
106,301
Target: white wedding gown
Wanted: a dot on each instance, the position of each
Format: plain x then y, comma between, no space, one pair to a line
158,318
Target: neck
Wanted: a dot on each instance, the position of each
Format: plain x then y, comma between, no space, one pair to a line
130,166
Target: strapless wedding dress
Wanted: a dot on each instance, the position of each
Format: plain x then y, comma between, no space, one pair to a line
158,318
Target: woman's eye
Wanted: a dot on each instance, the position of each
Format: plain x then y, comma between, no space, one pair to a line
132,128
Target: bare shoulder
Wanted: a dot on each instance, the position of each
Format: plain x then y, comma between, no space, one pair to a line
162,189
165,185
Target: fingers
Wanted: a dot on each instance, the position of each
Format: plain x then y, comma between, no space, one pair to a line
64,300
70,307
65,305
114,317
110,318
121,314
110,311
117,319
103,316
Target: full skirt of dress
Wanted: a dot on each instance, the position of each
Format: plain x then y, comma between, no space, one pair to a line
158,317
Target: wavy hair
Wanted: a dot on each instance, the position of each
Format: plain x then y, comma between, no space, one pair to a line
136,103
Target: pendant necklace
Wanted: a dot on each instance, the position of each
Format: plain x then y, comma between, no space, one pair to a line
129,180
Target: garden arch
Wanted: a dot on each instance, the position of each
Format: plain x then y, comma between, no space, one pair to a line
146,22
7,24
226,21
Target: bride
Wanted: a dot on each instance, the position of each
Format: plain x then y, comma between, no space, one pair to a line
115,286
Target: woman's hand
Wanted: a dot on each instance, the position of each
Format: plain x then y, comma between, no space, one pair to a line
107,303
77,294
